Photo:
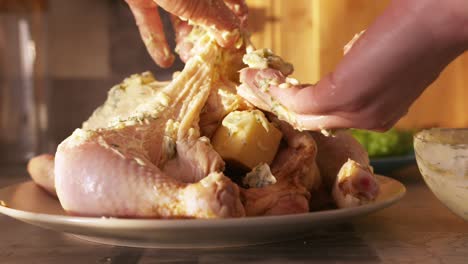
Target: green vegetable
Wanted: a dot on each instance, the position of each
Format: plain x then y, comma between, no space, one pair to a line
391,143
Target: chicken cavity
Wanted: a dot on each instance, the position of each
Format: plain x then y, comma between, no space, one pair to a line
296,177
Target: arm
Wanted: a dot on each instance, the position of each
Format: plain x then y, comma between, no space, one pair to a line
401,53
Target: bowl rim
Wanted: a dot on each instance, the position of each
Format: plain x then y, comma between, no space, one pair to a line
418,136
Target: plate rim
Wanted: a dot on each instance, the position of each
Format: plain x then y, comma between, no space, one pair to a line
138,223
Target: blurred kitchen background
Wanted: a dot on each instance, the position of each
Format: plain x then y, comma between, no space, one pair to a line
92,45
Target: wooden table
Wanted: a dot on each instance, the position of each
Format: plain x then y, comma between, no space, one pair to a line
419,229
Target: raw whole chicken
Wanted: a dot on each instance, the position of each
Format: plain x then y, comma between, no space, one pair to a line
147,152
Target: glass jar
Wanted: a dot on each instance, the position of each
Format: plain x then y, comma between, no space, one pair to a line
23,80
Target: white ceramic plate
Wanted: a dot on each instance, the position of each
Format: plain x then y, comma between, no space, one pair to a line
29,203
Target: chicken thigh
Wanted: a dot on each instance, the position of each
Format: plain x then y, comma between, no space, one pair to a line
345,169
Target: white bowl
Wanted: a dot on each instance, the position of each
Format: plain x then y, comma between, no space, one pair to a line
442,157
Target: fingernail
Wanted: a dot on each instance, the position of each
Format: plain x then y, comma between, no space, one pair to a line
169,59
166,59
167,53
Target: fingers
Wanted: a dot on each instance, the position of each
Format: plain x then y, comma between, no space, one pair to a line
184,45
214,14
308,108
240,9
182,28
151,31
316,110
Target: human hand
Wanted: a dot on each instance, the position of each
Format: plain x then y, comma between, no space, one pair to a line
382,75
223,18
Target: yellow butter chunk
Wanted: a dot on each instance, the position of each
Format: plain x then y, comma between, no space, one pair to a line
247,138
